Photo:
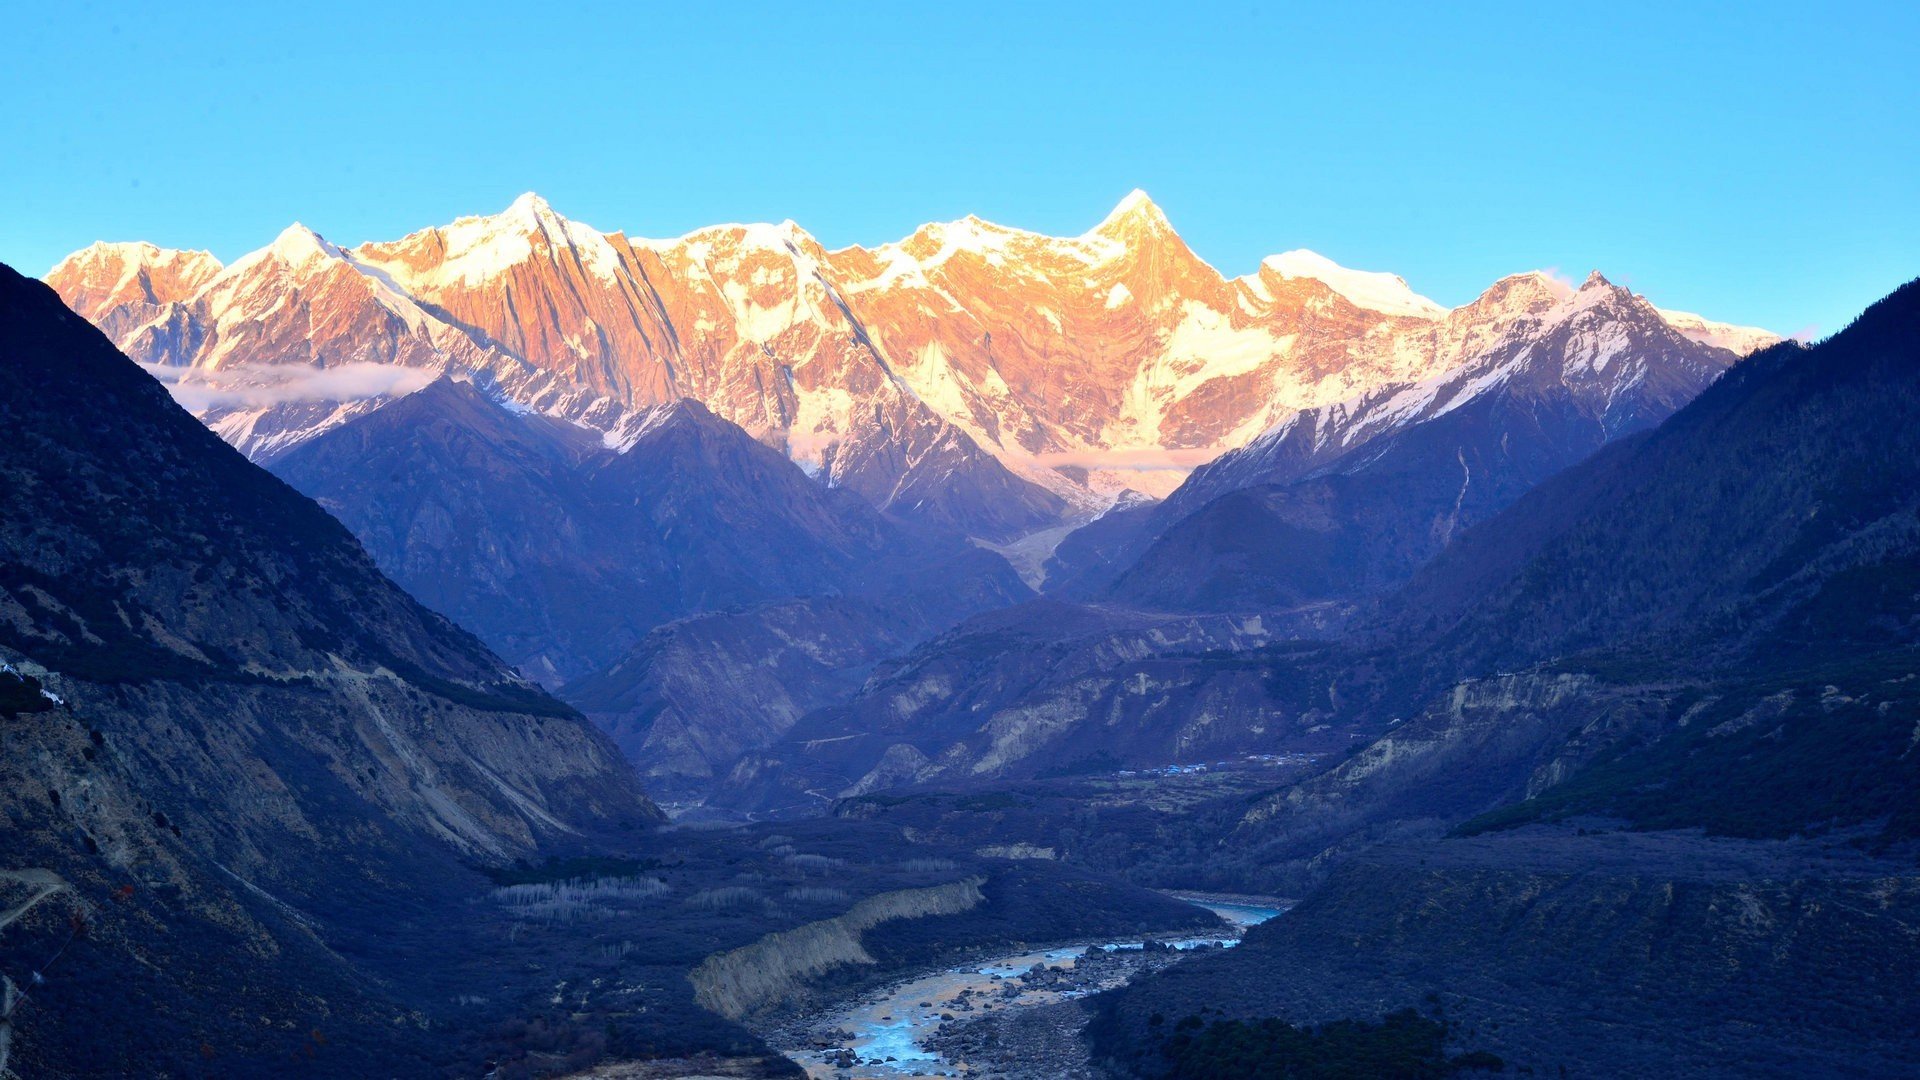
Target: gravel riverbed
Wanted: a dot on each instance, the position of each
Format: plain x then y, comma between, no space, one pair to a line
1015,1016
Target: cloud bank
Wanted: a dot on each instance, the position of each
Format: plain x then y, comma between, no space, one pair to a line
246,386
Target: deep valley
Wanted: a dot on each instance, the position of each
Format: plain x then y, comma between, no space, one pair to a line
521,650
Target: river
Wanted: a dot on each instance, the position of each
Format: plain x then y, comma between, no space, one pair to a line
885,1035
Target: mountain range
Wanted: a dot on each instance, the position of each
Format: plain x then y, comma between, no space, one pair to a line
1347,499
1287,536
974,376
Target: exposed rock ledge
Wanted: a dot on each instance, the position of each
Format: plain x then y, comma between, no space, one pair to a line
776,967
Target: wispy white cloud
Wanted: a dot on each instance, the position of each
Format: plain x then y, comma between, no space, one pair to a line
1560,278
261,385
1140,459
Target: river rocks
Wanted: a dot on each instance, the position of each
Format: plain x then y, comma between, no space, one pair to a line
1041,1042
1022,1025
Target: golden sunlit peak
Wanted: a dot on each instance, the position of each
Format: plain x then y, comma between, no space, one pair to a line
1135,211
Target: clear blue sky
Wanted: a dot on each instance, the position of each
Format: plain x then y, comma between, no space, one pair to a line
1759,162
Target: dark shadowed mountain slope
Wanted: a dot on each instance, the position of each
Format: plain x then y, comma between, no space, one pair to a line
698,692
737,523
1776,515
141,548
247,731
1347,501
563,552
1754,562
473,510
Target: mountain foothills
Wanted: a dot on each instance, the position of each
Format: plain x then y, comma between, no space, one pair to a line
265,814
564,553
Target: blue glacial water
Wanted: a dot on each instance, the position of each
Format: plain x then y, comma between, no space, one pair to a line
893,1023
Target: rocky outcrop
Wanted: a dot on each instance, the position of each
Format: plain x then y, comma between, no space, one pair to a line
123,287
777,967
1015,851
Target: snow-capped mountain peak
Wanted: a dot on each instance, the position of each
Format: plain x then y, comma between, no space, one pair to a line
531,206
1084,364
1530,292
473,251
129,256
1586,364
298,245
1599,303
1134,216
130,277
1382,292
1737,339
